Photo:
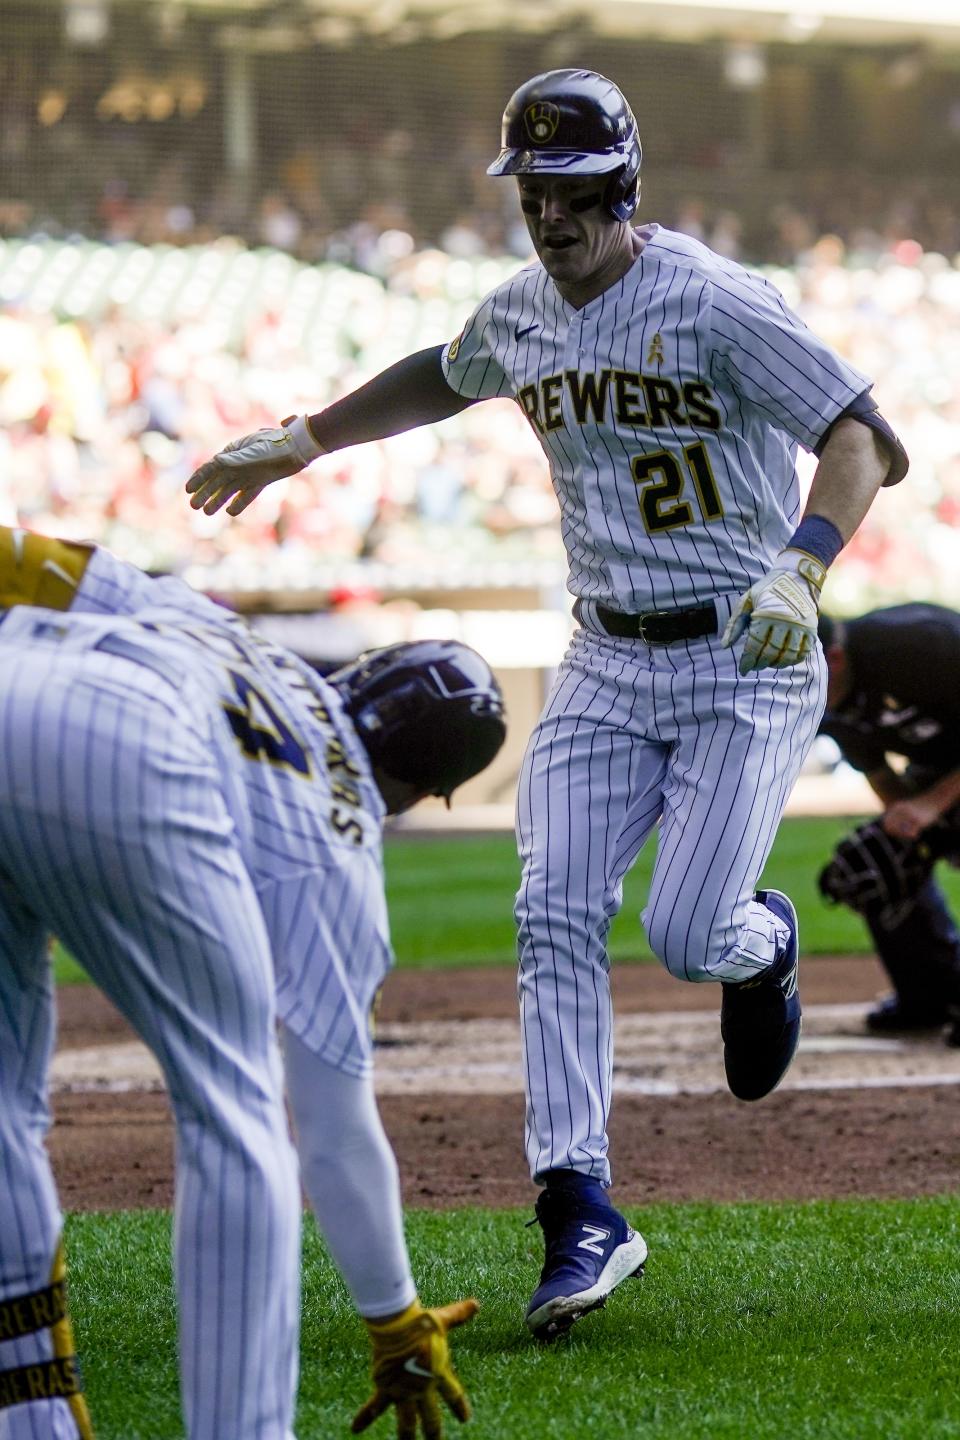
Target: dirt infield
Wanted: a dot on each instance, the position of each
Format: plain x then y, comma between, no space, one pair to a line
861,1117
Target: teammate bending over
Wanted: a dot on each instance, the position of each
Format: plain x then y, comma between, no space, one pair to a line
197,815
669,389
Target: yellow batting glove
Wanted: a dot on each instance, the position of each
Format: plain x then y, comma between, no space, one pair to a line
246,466
35,570
412,1367
779,613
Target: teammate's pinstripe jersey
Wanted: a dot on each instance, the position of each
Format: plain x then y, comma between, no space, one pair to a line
307,809
669,408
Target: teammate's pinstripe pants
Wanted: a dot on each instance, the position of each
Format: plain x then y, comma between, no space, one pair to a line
115,835
631,734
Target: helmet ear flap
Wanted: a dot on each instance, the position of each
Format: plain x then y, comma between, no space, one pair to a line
618,201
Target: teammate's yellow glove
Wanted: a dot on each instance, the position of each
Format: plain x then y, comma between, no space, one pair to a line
246,466
779,613
412,1368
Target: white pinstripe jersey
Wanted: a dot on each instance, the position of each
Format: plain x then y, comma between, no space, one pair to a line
300,789
669,409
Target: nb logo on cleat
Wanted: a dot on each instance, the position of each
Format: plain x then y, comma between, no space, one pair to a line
594,1239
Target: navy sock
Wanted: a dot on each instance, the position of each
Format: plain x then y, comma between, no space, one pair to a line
585,1187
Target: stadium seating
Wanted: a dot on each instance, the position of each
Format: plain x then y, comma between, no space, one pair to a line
122,366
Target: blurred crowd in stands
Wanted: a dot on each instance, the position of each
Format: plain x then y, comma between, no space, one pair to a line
298,215
103,417
382,187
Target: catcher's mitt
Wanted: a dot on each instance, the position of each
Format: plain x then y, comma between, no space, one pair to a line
873,869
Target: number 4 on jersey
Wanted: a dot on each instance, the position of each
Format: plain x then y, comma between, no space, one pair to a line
262,733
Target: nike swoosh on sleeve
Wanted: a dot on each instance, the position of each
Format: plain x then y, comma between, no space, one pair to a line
61,574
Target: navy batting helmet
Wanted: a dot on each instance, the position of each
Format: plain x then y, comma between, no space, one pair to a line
573,122
430,713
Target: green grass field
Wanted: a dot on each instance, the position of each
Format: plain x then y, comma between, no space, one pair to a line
826,1321
451,901
836,1321
471,884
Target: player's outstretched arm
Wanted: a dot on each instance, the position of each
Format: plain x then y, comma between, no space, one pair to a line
413,392
779,613
413,1369
350,1174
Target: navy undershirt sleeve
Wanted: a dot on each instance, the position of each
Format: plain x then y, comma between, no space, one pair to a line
864,409
413,392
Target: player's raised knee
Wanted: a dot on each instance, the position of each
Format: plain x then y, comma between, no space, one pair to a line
683,946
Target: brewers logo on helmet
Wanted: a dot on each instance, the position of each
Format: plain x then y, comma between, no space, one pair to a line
541,119
573,122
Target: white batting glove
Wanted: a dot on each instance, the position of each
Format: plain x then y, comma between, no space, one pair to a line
779,613
246,466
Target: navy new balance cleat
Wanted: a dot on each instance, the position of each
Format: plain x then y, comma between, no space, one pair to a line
760,1019
589,1249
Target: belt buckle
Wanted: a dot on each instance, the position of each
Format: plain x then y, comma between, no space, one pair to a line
645,619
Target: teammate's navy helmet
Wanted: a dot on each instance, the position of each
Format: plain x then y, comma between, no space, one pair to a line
429,712
573,122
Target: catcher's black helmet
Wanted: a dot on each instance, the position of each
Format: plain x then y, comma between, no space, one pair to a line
573,122
430,712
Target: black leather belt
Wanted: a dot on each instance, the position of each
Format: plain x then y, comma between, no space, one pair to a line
657,627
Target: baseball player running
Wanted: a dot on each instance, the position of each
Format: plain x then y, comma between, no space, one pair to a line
197,815
669,389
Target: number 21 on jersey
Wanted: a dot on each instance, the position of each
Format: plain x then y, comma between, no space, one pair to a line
660,485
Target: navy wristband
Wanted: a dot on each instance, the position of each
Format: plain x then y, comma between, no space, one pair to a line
819,537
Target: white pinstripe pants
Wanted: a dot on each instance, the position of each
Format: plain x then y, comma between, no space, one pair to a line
632,733
115,835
